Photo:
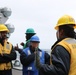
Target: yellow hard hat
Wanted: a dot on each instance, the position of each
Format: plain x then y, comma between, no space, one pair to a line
65,20
3,28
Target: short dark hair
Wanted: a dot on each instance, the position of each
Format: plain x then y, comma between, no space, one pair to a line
68,30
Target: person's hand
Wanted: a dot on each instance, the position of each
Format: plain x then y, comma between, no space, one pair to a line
22,44
35,52
16,47
37,60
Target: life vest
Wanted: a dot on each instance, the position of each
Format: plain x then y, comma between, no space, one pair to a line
5,49
31,67
70,45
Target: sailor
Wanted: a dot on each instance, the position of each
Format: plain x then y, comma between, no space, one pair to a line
63,55
29,33
7,53
27,57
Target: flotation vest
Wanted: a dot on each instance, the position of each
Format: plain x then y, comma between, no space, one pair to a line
31,67
70,45
5,49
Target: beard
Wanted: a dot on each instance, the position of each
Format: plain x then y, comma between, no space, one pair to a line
2,39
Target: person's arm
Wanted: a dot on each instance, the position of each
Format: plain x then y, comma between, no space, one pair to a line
26,60
3,60
47,58
11,56
60,63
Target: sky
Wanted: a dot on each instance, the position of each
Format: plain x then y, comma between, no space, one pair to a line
41,15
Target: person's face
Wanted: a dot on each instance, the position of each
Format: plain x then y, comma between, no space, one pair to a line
3,35
27,37
59,34
35,44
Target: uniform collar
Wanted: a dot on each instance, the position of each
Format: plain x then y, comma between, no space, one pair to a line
58,41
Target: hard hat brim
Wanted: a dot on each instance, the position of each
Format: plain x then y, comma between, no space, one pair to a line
30,33
4,30
57,26
35,41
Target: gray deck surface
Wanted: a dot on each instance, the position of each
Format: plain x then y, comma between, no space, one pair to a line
16,72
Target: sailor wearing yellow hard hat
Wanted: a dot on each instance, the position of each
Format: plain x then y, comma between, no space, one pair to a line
7,53
63,55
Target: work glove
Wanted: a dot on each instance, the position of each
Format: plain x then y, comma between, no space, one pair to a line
37,59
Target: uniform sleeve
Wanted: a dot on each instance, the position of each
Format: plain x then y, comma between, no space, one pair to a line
11,56
60,59
47,58
26,60
24,46
3,60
